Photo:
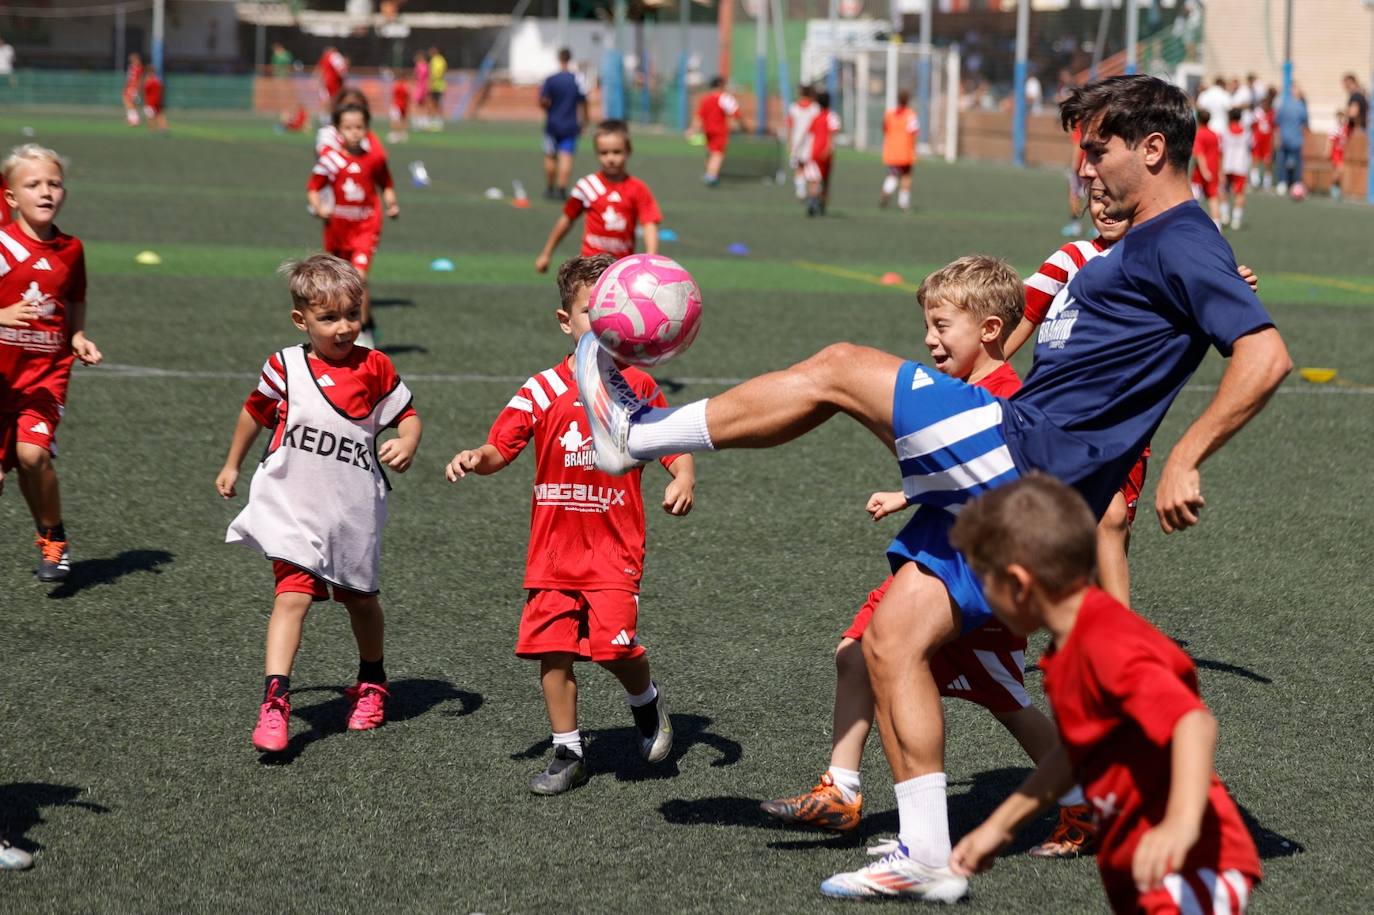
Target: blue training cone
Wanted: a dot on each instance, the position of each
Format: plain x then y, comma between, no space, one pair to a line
739,249
441,265
667,235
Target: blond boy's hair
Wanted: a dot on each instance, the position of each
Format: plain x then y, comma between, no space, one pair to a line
323,280
30,152
1036,522
577,272
981,285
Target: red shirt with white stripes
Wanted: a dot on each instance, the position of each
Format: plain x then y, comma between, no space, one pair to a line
823,129
586,527
52,275
715,110
1055,274
613,210
1118,687
354,178
354,385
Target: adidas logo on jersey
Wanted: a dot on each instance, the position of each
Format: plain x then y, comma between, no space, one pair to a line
40,428
42,264
959,684
919,379
354,168
625,639
325,381
613,197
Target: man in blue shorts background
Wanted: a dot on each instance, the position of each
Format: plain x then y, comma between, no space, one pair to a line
1110,359
565,106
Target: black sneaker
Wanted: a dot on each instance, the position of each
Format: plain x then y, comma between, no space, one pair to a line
55,559
566,771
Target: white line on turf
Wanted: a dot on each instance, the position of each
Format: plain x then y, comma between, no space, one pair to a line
118,370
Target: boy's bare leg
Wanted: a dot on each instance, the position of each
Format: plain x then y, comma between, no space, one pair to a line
565,164
780,406
560,690
853,716
550,169
1113,540
1032,729
633,673
284,632
713,163
369,625
38,483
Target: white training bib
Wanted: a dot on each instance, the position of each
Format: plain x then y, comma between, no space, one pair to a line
318,499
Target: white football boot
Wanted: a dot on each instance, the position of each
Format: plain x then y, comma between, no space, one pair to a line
610,403
897,875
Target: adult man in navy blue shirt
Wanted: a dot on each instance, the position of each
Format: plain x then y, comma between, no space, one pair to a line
1110,358
565,104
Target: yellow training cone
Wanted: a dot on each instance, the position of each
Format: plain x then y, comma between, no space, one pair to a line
148,258
1317,376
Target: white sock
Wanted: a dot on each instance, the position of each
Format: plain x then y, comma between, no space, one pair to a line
889,184
923,820
904,199
1073,797
1236,216
799,185
661,431
644,698
570,739
847,780
1226,212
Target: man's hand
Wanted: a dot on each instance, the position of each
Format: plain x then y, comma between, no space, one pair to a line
1178,498
1249,276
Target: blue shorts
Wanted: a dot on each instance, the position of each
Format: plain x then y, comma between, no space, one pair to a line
950,448
553,144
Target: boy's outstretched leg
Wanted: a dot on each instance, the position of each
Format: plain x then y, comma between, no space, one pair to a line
367,697
38,483
760,413
283,641
647,706
567,769
1076,832
914,619
835,802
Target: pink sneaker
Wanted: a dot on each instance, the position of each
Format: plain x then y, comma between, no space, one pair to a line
270,735
369,705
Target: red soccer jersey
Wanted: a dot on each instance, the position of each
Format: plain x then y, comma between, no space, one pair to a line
133,77
152,92
1118,687
1263,133
354,386
333,67
823,129
354,178
1207,149
586,527
400,96
52,275
613,209
1055,273
715,110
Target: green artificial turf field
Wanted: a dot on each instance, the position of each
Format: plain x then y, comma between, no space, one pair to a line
130,690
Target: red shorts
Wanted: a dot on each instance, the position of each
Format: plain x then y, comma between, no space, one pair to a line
817,172
32,419
594,625
1237,182
354,242
1225,893
985,666
1135,482
1264,148
1209,189
295,580
716,142
899,171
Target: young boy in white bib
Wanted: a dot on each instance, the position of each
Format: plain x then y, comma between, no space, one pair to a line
317,503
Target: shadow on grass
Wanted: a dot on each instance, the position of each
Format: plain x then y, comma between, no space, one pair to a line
1224,667
409,699
87,573
400,349
1270,844
393,303
22,803
616,750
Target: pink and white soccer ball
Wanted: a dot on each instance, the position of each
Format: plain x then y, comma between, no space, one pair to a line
645,309
1298,191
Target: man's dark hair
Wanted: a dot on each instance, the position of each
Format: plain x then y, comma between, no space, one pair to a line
807,91
1204,117
564,56
1132,108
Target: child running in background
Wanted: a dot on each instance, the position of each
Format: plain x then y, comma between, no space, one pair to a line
1235,165
353,218
586,548
317,503
1207,167
714,115
1262,161
615,203
800,114
153,104
819,156
901,127
1335,151
399,111
42,332
133,83
1135,732
969,306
